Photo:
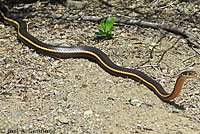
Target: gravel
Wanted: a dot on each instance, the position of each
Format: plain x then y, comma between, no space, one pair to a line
47,95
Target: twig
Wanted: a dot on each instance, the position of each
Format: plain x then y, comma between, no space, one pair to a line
169,4
129,21
168,50
151,53
156,1
6,92
198,53
142,64
190,57
148,66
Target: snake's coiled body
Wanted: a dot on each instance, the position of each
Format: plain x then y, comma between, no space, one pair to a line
91,53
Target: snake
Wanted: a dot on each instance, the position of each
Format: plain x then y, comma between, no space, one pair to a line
94,54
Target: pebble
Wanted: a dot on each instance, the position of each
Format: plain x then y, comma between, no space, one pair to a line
35,55
60,110
185,120
154,44
17,114
135,102
123,35
75,4
110,81
64,119
56,92
88,112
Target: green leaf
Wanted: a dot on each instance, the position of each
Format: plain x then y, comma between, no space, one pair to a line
109,23
99,25
102,27
128,99
109,31
112,28
99,32
104,34
105,29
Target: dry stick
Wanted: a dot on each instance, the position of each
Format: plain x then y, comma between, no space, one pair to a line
191,40
6,92
195,55
198,53
150,57
151,54
142,64
188,36
173,29
169,4
168,50
149,66
156,1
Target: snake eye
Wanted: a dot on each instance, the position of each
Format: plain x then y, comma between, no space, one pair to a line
193,74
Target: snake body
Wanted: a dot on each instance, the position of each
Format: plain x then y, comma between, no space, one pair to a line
92,53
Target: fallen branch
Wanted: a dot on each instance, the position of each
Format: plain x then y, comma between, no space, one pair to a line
190,38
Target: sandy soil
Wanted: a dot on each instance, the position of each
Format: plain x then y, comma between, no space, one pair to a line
48,95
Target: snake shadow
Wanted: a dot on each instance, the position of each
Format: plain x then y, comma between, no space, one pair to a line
177,106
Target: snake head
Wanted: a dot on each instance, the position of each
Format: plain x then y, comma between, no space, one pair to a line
188,74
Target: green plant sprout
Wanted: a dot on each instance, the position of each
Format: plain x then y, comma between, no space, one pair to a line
105,29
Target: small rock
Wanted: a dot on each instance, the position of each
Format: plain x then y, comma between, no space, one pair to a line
123,35
110,81
75,4
60,110
56,92
17,114
35,55
154,44
88,112
135,102
64,119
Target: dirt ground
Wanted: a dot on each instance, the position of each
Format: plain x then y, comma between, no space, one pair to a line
48,95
